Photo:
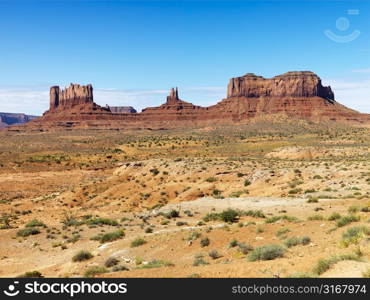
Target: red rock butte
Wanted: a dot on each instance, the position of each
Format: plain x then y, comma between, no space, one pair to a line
299,95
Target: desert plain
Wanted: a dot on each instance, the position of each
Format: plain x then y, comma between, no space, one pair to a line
274,198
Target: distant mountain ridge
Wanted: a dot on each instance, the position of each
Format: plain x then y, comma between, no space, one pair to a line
7,119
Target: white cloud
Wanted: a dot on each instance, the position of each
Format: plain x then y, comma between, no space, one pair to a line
32,101
354,94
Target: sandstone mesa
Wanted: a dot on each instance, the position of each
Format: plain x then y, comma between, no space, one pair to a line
298,95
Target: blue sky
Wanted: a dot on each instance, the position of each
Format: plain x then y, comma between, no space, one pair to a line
134,51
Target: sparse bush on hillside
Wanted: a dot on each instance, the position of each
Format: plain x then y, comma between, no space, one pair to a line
120,268
81,256
27,232
205,242
91,272
315,218
173,214
156,263
325,264
353,209
334,216
294,241
252,213
211,179
138,242
111,261
283,217
229,216
267,252
244,248
32,274
214,254
198,261
313,200
193,236
233,243
347,220
247,182
354,234
35,223
109,237
101,221
70,220
282,231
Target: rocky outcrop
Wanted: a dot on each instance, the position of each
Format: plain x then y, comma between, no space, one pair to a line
174,109
121,109
74,95
173,98
291,84
298,95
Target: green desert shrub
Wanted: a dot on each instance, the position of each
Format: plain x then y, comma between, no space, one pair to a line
138,242
354,234
205,242
325,264
282,231
267,252
111,261
253,213
172,214
233,243
247,182
91,272
35,223
229,216
101,221
156,263
284,217
315,217
313,200
244,248
199,261
109,236
31,274
334,216
193,236
82,256
214,254
294,241
120,268
27,232
211,179
343,221
353,209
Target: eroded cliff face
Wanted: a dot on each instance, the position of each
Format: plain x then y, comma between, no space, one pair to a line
291,84
293,94
174,109
73,95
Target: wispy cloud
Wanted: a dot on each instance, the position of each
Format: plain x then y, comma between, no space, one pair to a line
354,94
30,100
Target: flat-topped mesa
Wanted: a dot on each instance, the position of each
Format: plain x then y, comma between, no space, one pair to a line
173,97
121,109
291,84
74,95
